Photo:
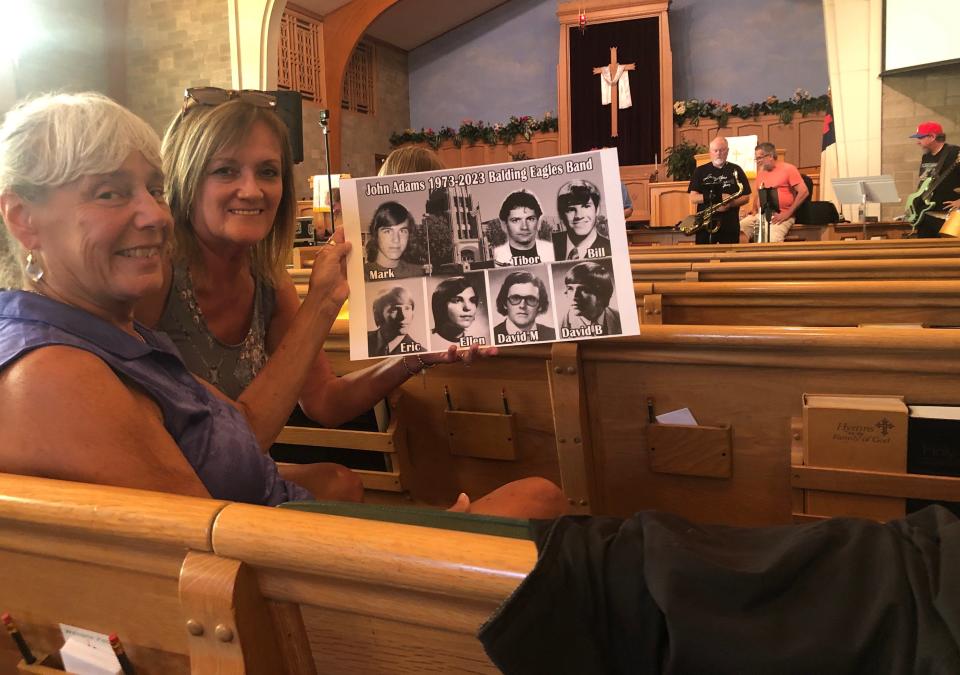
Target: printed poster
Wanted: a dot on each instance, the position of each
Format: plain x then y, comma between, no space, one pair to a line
496,255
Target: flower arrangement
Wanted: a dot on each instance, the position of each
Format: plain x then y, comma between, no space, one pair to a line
692,110
471,132
681,159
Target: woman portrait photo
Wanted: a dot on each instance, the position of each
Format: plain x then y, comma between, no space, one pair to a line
459,312
387,246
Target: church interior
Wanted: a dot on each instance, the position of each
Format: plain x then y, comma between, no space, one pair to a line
779,350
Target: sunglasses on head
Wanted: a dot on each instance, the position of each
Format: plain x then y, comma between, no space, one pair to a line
214,96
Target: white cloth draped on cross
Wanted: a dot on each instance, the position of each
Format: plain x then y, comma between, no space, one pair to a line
621,80
615,86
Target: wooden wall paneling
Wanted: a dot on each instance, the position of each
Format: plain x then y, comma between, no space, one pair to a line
546,145
636,179
691,135
750,129
669,203
785,137
499,153
810,132
472,155
450,156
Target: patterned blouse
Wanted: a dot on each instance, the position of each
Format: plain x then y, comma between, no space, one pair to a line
229,367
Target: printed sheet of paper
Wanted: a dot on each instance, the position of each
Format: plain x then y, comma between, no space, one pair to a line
496,255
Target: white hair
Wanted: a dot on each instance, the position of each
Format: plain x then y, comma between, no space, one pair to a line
54,139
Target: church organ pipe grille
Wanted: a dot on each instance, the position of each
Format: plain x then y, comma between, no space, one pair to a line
299,62
359,87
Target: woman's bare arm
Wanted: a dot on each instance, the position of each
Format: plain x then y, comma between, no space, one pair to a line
67,415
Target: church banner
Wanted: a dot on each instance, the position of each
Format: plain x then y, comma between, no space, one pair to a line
531,251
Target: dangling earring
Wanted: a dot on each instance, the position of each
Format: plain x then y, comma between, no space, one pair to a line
33,269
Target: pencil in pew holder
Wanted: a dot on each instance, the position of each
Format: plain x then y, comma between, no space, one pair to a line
17,637
45,665
125,664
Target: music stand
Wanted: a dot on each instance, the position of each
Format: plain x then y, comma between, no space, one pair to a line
769,204
863,189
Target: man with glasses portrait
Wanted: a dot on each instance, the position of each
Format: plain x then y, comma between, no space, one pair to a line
791,192
522,299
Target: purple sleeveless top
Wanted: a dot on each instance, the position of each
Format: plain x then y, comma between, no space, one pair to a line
212,434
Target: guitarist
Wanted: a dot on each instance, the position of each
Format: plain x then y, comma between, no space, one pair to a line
940,173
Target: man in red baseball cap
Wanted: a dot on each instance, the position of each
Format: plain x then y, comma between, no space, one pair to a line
939,180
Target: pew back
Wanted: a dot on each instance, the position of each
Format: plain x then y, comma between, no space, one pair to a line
801,303
201,586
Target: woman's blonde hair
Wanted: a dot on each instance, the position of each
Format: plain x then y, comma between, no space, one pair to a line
410,159
192,140
55,139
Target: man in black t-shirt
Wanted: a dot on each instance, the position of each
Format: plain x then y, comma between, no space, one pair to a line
714,182
939,159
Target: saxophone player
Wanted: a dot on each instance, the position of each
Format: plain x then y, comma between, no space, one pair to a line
717,182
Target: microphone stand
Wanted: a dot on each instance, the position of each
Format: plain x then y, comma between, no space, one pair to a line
325,127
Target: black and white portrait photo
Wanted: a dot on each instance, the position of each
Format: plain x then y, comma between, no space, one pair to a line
398,319
459,311
388,243
578,205
521,220
586,299
523,303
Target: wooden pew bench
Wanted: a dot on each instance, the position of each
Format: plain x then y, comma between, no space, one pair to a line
799,270
581,411
204,586
801,303
825,250
828,270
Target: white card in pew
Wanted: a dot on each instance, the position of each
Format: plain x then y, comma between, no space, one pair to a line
432,264
682,416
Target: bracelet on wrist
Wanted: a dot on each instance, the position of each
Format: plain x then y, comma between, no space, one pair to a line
423,365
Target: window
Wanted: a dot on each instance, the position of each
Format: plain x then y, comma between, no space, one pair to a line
299,60
358,85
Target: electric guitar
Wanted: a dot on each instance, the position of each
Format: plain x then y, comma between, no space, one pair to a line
921,201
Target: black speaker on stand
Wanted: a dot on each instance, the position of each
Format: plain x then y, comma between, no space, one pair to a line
290,110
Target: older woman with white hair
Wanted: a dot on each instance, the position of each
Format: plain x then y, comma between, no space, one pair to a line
90,394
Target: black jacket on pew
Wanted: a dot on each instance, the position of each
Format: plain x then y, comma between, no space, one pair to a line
655,593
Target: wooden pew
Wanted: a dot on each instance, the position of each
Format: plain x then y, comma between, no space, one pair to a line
811,270
581,420
825,250
799,270
801,303
203,586
101,558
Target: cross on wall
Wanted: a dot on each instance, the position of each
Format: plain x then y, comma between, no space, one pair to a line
614,93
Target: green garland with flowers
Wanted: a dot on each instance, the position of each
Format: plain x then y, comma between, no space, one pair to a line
471,133
692,111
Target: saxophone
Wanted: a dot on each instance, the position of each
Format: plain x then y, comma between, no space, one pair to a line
702,219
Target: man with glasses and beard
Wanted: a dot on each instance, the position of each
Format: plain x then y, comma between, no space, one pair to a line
393,313
522,298
791,191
